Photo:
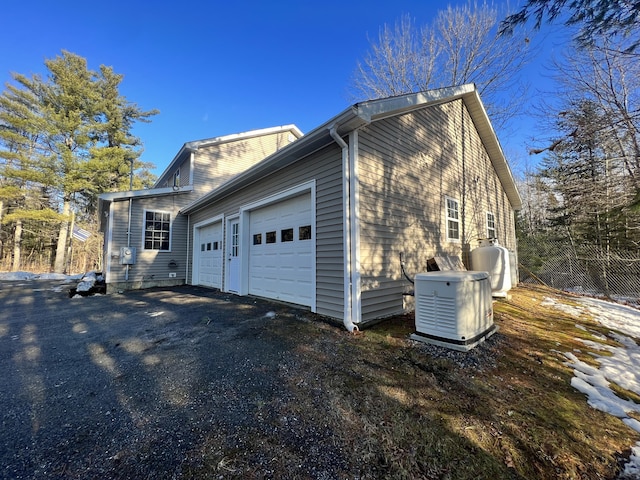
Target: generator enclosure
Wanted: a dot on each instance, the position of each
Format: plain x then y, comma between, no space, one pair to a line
453,308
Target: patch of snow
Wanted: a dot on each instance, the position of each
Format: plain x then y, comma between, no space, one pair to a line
88,281
17,276
27,276
615,316
620,367
632,469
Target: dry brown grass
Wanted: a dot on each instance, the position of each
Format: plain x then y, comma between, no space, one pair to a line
386,409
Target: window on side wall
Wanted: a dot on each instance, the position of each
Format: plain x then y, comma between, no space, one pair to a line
491,225
176,178
453,219
157,230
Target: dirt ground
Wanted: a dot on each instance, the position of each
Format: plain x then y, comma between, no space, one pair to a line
128,386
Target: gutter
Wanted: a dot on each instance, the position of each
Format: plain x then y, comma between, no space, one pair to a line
346,189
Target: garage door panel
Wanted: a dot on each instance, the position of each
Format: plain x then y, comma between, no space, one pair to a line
283,269
209,253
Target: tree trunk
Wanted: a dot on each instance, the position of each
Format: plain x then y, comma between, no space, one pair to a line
61,248
17,246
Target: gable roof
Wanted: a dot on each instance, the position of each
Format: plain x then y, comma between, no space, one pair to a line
194,145
362,114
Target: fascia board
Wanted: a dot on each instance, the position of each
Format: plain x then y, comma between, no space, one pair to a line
246,135
388,107
152,192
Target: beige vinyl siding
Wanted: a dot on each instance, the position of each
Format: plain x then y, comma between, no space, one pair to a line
325,166
185,172
217,164
407,166
151,265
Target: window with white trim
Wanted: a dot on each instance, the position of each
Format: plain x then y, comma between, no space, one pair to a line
176,178
491,225
453,218
157,230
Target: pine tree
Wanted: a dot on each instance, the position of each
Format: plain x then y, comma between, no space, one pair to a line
70,135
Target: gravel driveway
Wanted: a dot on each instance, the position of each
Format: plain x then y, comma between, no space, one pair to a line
128,386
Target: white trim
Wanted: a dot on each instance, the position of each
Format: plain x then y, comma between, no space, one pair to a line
195,267
244,215
356,290
486,218
144,220
446,220
346,243
246,135
282,195
186,266
109,245
153,192
225,253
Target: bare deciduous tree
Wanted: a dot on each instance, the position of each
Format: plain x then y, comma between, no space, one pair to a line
609,78
460,46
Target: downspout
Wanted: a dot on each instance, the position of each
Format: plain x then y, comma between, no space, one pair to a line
186,260
126,271
348,314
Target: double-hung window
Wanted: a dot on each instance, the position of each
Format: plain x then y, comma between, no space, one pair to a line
157,230
491,225
453,219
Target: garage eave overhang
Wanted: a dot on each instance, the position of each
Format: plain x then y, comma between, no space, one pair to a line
152,192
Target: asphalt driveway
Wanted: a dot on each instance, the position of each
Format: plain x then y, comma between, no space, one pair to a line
127,386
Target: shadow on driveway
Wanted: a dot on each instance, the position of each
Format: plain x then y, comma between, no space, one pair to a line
125,386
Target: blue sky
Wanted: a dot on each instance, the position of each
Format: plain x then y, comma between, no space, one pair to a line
214,68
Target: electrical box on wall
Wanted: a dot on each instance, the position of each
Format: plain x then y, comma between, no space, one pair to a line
127,256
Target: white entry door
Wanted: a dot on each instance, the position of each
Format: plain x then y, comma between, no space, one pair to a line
233,256
209,255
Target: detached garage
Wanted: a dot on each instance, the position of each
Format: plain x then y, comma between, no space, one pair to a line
324,221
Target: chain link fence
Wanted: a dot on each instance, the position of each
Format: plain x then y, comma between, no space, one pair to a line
584,269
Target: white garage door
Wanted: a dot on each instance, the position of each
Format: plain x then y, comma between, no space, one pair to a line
281,251
210,255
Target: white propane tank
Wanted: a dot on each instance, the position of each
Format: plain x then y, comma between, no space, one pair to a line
491,257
